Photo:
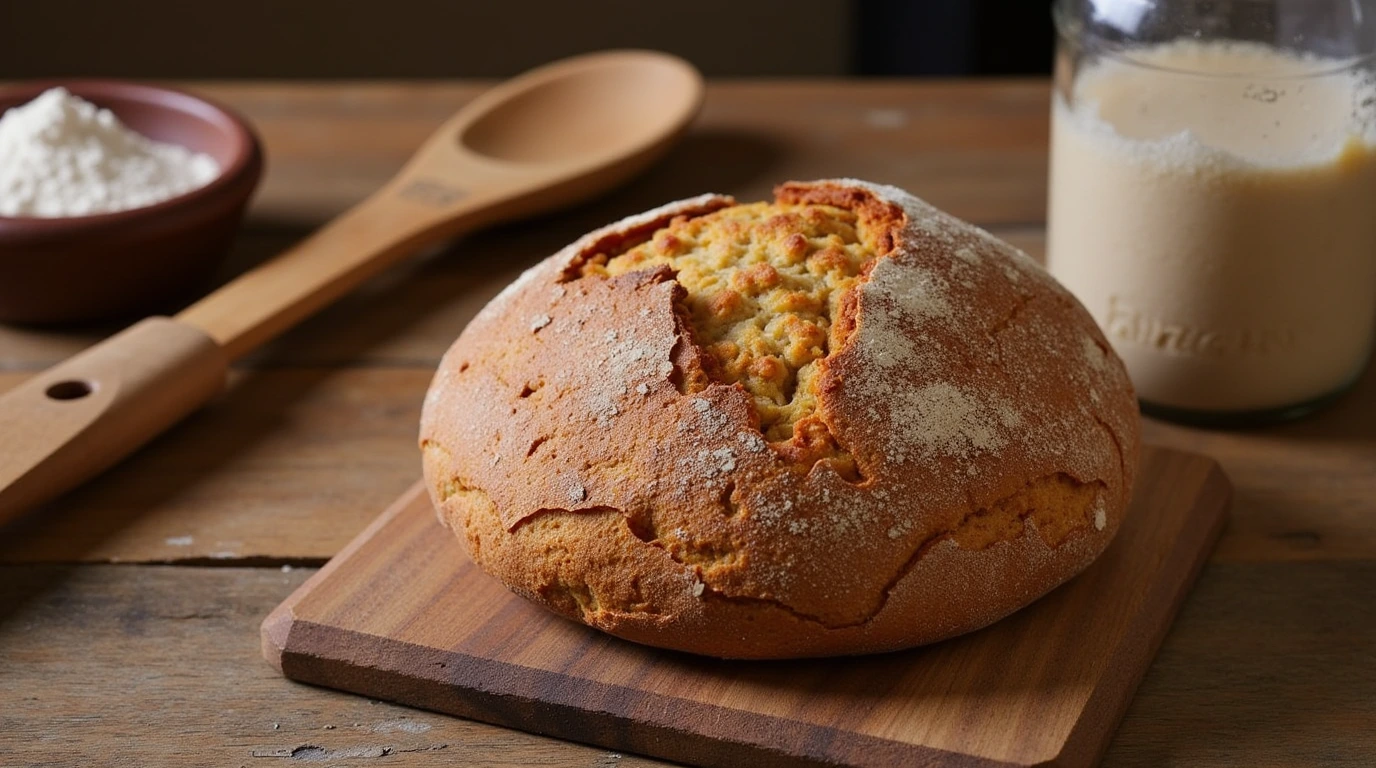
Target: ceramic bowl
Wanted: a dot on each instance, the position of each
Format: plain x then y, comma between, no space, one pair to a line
140,261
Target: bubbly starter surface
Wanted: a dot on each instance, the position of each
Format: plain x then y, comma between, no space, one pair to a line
1221,229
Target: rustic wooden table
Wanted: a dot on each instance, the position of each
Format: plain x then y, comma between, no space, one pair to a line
129,611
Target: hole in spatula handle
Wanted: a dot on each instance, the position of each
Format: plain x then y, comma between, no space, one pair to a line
72,389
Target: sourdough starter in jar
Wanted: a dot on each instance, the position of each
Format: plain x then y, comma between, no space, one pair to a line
1214,205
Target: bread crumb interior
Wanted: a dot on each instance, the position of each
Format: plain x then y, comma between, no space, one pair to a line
764,283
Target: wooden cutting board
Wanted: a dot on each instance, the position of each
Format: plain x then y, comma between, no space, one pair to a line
401,614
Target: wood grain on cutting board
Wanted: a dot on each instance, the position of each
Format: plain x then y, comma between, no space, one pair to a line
402,614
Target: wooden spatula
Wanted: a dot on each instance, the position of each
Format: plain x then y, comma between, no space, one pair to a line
550,137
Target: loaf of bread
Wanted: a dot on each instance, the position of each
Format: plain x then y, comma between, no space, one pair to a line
842,422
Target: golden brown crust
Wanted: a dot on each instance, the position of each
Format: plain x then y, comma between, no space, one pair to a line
576,438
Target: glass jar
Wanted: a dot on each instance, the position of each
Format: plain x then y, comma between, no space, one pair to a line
1213,196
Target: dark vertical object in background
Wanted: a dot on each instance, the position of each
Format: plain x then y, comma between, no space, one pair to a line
953,37
1016,37
911,37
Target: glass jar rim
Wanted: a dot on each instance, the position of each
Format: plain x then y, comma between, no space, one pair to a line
1073,33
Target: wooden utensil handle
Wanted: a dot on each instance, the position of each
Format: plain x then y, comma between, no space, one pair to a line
395,222
70,422
81,416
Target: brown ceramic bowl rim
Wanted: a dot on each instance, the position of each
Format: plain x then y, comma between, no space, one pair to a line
245,155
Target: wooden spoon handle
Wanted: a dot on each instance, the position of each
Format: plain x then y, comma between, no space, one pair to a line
76,419
398,220
79,417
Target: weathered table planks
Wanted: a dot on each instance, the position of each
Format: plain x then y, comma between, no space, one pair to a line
1271,662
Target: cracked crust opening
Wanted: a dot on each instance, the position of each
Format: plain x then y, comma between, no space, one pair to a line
950,438
762,284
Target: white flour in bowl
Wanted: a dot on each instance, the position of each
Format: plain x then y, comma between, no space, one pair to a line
61,155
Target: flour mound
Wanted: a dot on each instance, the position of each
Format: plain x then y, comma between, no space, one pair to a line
61,155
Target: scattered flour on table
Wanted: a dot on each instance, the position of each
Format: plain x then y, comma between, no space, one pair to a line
61,155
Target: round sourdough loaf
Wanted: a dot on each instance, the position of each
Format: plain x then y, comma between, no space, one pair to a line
843,422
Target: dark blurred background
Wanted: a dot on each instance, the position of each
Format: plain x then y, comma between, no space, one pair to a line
454,38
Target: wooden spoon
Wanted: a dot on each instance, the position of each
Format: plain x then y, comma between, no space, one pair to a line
553,136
